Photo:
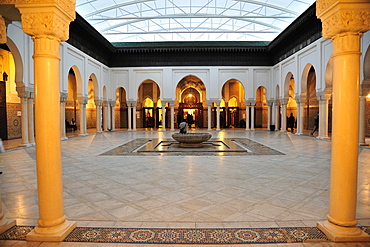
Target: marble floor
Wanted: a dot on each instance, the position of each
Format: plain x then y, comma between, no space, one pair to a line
159,191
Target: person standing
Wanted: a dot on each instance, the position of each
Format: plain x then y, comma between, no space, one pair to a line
316,126
291,121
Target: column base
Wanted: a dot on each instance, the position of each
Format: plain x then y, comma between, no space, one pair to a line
6,224
25,145
172,129
52,234
99,132
82,134
343,234
64,138
299,134
323,137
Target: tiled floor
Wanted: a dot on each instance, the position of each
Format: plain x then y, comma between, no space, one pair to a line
256,191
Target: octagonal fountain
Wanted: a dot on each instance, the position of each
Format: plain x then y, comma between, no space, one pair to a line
190,140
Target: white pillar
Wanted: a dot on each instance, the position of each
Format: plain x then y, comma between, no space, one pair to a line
98,115
252,116
269,113
63,98
24,119
134,118
105,116
300,118
362,127
277,114
82,101
172,116
209,112
284,115
31,119
113,116
163,116
129,113
218,117
324,116
247,117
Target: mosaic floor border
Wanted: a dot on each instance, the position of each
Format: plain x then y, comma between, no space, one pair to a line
184,236
128,148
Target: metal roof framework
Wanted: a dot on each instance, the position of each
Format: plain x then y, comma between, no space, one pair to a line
190,20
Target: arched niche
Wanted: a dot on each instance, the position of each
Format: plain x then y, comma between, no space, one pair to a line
190,101
122,114
150,112
261,114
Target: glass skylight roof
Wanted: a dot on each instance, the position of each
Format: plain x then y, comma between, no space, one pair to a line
190,20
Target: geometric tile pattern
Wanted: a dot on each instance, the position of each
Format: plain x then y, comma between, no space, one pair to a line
254,148
181,236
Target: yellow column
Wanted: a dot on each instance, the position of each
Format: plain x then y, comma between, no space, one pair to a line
48,24
344,22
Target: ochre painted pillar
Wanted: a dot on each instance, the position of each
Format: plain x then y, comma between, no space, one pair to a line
344,22
48,25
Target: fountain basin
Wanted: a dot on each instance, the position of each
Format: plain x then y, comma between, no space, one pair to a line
191,140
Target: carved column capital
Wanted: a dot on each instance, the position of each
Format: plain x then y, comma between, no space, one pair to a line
250,102
284,101
47,18
323,96
300,98
97,101
63,97
82,100
341,16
